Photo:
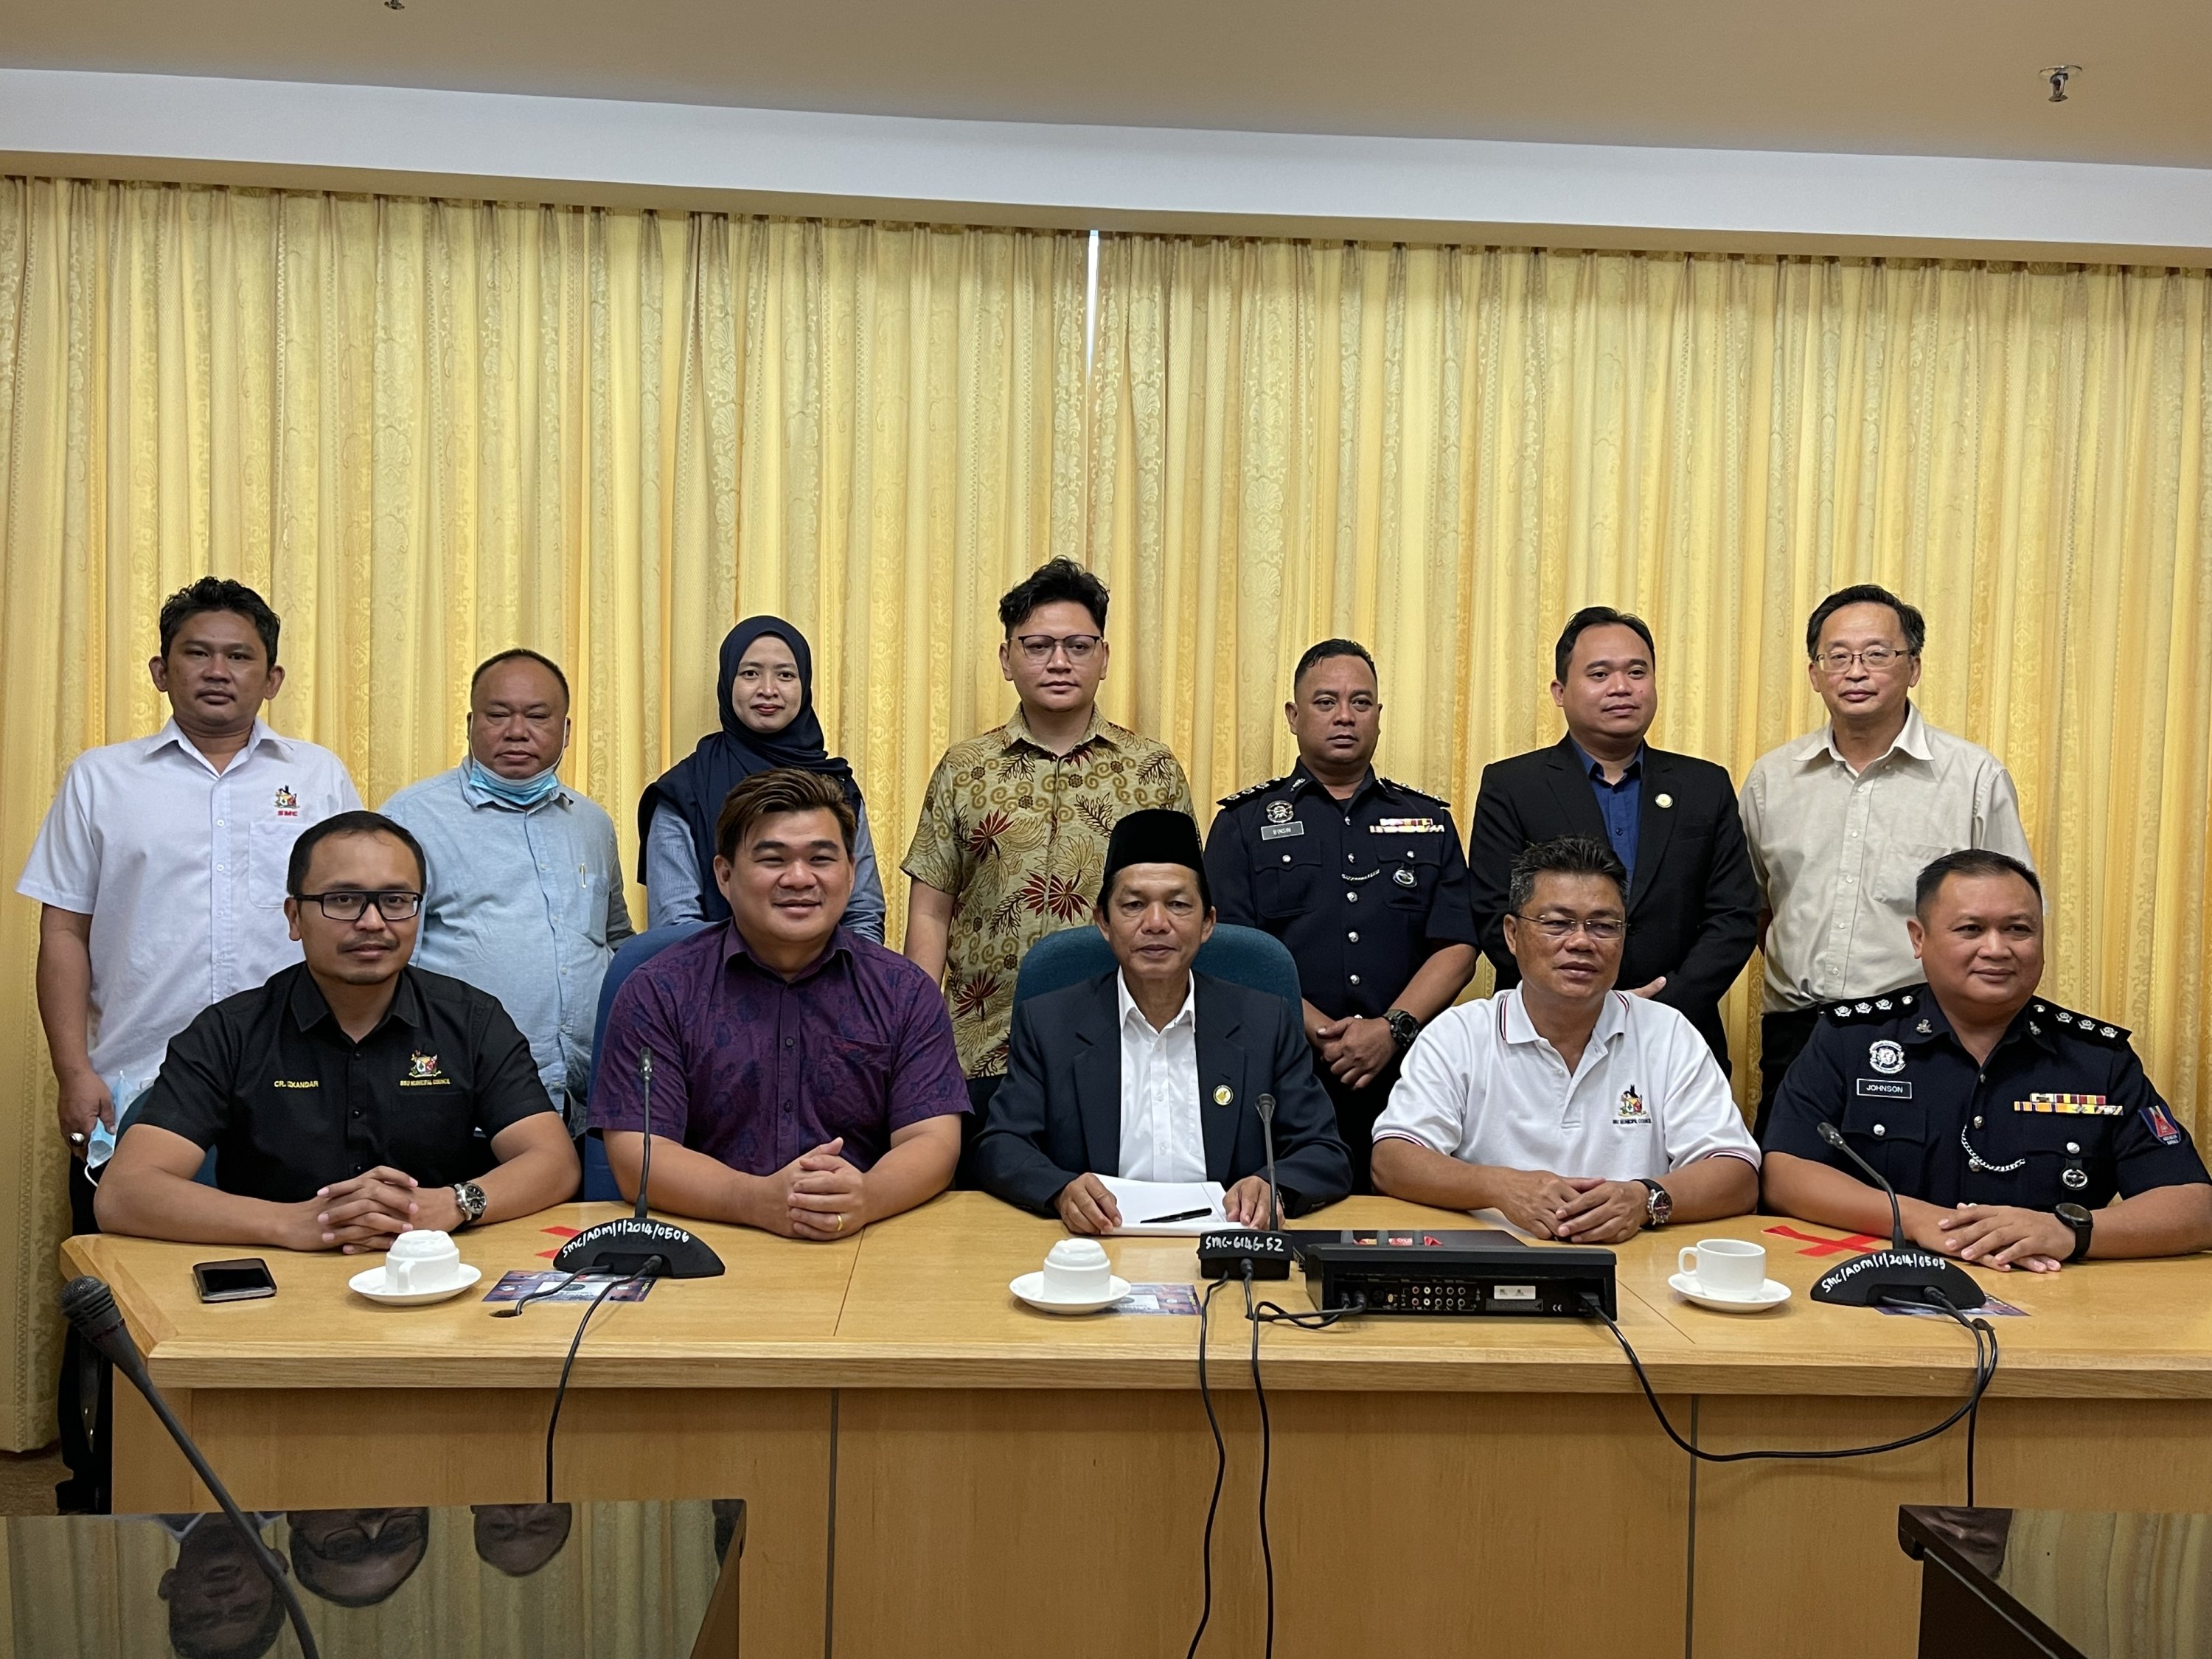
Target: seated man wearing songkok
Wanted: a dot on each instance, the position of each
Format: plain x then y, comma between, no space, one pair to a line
2008,1125
1576,1111
804,1079
1153,1072
349,1098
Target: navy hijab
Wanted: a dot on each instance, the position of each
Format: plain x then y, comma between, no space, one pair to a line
696,785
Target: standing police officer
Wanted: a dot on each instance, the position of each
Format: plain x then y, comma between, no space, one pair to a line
1362,878
2007,1125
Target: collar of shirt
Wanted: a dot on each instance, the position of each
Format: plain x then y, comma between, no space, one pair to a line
1911,740
479,798
2024,1028
1016,732
735,949
259,738
1594,768
1514,1025
1302,778
1187,1015
310,1008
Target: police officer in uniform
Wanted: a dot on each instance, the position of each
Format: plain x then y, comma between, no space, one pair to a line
1362,878
2007,1124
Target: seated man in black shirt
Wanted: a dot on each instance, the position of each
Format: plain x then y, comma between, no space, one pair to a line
2008,1125
350,1097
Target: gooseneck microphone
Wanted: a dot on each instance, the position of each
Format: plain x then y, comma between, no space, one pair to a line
1254,1252
1275,1197
90,1306
1899,1273
636,1246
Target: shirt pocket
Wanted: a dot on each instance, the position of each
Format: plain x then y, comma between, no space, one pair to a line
1897,875
2056,1144
1408,874
1289,882
849,1081
269,858
1890,1135
592,897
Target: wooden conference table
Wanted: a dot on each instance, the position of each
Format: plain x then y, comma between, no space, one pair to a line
933,1468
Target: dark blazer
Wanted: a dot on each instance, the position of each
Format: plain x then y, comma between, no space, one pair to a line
1693,901
1059,1113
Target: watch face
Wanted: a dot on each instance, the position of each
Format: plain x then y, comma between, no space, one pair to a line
2073,1214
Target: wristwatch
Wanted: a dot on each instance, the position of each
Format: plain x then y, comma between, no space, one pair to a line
2083,1225
1404,1027
471,1198
1658,1204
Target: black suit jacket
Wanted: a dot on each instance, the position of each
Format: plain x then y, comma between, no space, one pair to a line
1059,1113
1693,901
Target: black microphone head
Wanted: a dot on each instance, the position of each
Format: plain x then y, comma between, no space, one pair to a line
1830,1132
1266,1108
645,1063
88,1304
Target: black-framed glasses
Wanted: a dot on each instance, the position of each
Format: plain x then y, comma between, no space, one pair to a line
1878,658
1039,648
391,904
398,1531
1559,929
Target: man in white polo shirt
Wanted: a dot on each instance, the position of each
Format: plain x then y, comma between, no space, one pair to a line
1577,1112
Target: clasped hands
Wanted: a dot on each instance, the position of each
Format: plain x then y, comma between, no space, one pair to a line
1087,1207
1356,1049
1574,1209
363,1215
1998,1236
817,1195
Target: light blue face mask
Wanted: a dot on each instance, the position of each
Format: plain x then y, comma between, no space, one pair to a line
98,1145
522,794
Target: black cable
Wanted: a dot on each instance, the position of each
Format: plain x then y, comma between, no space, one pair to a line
561,1392
1267,1456
1983,1374
514,1309
1221,1470
1319,1319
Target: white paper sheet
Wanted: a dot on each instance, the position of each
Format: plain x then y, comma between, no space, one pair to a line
1138,1199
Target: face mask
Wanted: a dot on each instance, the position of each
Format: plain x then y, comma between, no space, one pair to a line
523,792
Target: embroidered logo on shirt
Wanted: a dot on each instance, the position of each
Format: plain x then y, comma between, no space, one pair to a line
1632,1109
1886,1056
421,1072
2070,1105
288,804
295,1082
2164,1128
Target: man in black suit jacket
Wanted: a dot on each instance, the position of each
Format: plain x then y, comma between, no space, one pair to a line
1152,1071
1672,819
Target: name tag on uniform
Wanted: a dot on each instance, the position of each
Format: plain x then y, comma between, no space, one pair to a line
1405,827
1278,831
2070,1105
1880,1088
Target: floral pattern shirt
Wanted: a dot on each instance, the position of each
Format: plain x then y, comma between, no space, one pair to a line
1018,836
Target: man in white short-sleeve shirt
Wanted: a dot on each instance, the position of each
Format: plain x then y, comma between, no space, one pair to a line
1576,1111
160,864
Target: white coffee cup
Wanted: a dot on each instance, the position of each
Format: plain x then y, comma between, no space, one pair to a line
1725,1267
1077,1270
420,1260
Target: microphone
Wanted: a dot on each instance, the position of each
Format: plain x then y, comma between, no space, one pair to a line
1267,1129
636,1245
90,1306
1266,1254
1899,1273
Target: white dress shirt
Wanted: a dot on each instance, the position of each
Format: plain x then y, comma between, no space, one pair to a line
1161,1136
1646,1098
1839,854
181,869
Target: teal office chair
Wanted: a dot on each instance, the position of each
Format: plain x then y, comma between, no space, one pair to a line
1243,956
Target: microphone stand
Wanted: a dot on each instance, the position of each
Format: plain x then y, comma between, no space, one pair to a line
1252,1251
89,1305
1901,1273
636,1245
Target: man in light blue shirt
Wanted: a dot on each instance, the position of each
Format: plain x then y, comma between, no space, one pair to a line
524,897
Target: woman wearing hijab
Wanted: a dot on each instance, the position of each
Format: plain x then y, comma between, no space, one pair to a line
766,693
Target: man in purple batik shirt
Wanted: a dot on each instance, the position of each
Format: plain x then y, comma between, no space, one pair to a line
805,1077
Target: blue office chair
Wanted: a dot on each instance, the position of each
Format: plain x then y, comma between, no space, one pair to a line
1245,956
599,1186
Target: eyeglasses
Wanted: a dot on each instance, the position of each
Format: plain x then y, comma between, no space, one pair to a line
1877,657
401,1531
1039,648
1603,929
349,907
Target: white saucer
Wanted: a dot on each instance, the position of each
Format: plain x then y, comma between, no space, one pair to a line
1773,1294
371,1284
1031,1288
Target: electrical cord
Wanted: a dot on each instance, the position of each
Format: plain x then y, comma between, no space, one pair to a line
653,1264
1267,1456
1985,1371
1318,1319
1221,1470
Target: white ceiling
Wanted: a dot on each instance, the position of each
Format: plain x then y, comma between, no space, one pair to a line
1938,77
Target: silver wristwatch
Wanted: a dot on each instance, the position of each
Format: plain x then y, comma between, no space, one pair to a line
1658,1203
471,1199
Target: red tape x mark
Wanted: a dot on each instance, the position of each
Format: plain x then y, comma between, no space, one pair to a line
1862,1243
555,1232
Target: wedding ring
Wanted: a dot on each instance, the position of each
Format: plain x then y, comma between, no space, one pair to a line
841,1223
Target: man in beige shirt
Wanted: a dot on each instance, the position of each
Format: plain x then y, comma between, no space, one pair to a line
1840,823
1012,836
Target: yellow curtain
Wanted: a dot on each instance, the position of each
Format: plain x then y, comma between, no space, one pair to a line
1444,452
426,430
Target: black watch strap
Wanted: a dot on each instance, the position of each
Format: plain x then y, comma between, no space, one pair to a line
2084,1225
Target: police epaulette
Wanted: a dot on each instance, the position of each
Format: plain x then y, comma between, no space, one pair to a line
1408,788
1893,1003
2084,1025
1256,789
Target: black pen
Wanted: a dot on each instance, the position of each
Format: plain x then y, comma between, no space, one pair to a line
1180,1215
